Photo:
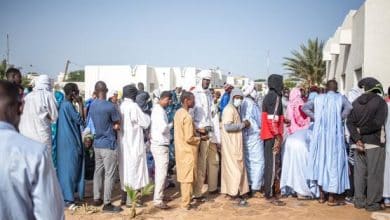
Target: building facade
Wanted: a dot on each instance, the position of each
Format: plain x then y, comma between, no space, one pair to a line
360,47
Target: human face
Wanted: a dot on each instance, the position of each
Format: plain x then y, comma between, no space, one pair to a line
165,102
190,102
205,83
17,79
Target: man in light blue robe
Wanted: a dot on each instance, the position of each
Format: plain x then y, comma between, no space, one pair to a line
328,161
253,145
70,150
29,186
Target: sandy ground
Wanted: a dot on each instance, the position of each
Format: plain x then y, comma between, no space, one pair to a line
222,208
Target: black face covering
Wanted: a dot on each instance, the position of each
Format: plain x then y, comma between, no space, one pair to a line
130,91
275,82
370,84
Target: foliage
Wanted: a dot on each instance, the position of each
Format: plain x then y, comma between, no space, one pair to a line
289,84
307,64
260,80
136,195
25,81
3,69
75,76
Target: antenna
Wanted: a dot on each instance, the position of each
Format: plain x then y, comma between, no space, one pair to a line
268,61
7,51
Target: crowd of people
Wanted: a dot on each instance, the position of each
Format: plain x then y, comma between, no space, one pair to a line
309,144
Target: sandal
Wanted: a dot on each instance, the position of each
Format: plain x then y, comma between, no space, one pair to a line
278,203
302,198
336,203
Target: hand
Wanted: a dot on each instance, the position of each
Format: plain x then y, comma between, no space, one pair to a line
277,144
360,146
287,122
218,147
201,130
116,127
247,124
204,137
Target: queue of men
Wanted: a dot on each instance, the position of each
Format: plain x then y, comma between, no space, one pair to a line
242,149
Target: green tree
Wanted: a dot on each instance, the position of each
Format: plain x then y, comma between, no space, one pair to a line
75,76
307,64
3,69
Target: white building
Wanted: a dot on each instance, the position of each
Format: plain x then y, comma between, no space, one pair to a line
360,46
163,78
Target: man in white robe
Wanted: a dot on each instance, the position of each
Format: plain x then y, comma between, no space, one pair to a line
133,167
207,158
160,138
40,110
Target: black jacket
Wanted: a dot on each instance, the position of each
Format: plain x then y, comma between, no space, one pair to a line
367,119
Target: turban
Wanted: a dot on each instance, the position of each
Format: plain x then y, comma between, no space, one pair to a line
130,92
205,74
370,84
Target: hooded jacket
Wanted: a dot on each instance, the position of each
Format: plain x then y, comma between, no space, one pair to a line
272,121
367,119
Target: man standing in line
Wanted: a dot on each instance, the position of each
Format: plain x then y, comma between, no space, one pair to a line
133,167
234,178
186,150
70,149
160,138
328,161
24,194
106,120
271,132
366,125
204,125
40,110
253,145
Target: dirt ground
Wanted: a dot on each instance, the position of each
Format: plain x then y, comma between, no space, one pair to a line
221,208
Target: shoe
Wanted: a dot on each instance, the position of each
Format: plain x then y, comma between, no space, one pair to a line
214,192
112,209
97,202
162,206
349,200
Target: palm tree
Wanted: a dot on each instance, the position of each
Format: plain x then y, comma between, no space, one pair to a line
307,64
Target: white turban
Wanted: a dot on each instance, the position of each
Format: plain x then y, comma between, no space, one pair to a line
205,74
250,90
42,83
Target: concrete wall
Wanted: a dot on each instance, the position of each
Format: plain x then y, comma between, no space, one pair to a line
356,57
377,41
114,76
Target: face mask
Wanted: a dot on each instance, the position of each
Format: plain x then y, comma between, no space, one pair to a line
237,102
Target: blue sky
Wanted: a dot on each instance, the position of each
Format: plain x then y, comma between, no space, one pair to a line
233,35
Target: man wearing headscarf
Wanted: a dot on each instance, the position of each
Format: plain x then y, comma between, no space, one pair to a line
208,156
226,96
366,125
328,161
133,167
234,178
296,149
272,119
298,119
40,110
253,145
143,99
